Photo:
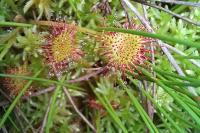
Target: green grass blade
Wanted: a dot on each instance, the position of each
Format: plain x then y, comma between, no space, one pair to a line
184,84
195,109
52,106
177,88
175,96
74,8
15,24
11,107
40,79
166,124
12,122
188,100
175,75
187,57
143,114
152,35
159,108
111,112
163,112
183,120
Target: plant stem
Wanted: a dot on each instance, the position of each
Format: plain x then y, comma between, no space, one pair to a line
15,24
151,35
61,24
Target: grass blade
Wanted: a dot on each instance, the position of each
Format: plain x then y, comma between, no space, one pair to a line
15,24
159,108
40,79
152,35
111,111
175,96
139,108
52,106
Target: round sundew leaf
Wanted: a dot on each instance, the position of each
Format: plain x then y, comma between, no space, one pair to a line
123,50
61,48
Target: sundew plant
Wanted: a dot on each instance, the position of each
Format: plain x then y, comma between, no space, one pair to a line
99,66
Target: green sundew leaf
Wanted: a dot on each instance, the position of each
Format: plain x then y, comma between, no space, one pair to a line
11,107
52,106
111,111
141,111
41,80
175,96
152,35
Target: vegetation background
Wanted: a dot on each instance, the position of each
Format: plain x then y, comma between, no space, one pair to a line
161,95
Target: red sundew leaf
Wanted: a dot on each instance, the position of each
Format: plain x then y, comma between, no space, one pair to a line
124,51
14,86
61,48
